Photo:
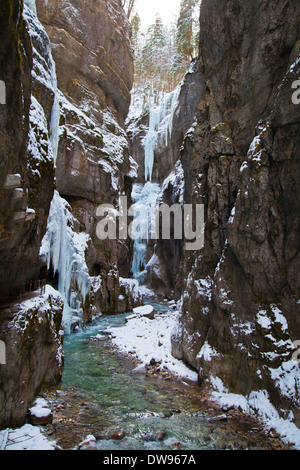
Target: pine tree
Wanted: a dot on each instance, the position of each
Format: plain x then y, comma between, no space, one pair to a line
153,52
135,25
162,55
186,30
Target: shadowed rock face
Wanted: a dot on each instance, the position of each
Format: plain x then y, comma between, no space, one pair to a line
94,64
93,165
34,358
32,336
91,49
24,125
240,296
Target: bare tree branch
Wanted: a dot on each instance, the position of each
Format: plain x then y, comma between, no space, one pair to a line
128,7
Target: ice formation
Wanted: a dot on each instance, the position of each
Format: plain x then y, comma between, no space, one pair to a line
31,4
64,251
145,197
160,128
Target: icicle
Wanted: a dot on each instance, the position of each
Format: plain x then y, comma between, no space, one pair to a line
32,5
65,252
160,127
144,199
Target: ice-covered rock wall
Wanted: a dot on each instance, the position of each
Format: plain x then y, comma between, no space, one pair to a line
31,313
93,165
157,131
145,195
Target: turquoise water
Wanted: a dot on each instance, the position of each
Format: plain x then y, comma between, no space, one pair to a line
120,399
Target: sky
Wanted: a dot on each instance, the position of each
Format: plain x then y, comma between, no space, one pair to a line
147,10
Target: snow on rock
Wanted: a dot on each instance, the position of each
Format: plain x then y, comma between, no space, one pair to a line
144,311
151,339
207,352
27,437
258,403
40,408
89,443
40,302
48,303
40,413
132,289
176,181
38,137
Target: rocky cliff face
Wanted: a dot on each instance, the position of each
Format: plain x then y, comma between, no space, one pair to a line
34,357
64,151
94,66
27,182
91,48
32,336
240,305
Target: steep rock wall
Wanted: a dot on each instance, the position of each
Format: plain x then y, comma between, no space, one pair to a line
30,323
240,310
26,182
94,65
34,358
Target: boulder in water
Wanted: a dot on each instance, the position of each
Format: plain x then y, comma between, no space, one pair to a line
144,311
161,436
88,444
40,414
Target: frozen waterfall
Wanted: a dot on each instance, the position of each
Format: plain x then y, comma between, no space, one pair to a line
64,251
160,128
32,5
145,197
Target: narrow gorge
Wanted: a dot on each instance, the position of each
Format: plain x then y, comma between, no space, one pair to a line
111,314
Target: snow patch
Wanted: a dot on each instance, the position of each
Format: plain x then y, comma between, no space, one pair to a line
257,403
151,339
27,437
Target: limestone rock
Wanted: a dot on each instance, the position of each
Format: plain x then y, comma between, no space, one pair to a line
40,414
239,310
144,311
25,148
34,357
89,443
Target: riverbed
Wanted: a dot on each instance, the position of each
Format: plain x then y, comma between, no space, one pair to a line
103,393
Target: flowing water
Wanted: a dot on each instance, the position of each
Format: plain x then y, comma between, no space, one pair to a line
101,394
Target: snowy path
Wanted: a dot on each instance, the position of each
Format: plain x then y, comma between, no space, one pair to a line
27,437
